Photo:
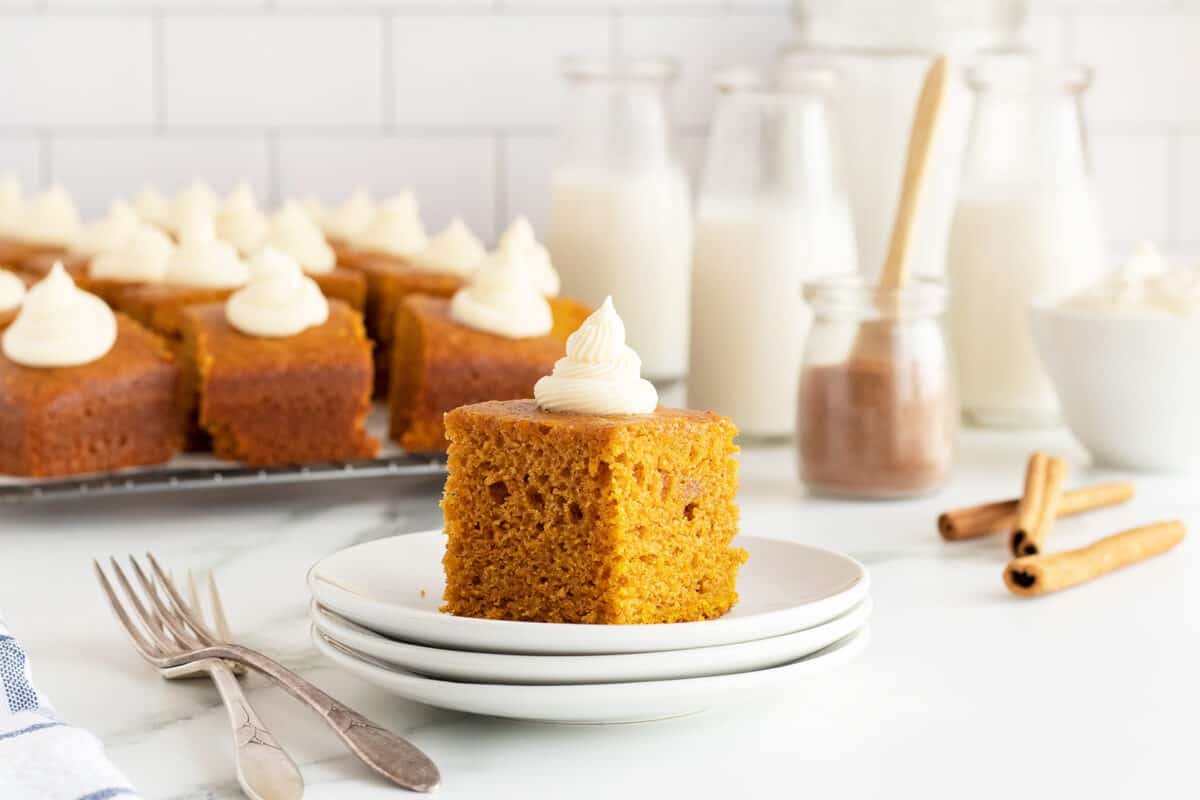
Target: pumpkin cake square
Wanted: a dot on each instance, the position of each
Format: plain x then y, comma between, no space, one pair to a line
389,279
39,264
297,399
340,283
13,286
160,306
587,518
117,411
439,364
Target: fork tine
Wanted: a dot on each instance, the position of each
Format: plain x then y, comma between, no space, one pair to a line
218,609
183,636
196,626
140,643
197,608
151,621
193,597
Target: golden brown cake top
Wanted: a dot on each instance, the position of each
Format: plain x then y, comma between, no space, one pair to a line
435,312
340,339
415,280
135,351
528,411
164,293
40,264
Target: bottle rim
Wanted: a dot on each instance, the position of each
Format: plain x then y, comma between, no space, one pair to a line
792,76
998,75
639,69
854,296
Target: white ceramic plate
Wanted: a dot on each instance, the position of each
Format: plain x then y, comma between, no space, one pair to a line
465,665
394,586
592,702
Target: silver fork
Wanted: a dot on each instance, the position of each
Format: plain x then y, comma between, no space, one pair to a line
264,769
170,636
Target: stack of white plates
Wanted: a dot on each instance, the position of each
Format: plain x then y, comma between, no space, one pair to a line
802,611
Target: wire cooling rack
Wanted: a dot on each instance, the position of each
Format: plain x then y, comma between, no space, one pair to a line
194,471
172,478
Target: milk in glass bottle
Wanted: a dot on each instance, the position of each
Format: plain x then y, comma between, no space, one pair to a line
1026,226
773,213
620,210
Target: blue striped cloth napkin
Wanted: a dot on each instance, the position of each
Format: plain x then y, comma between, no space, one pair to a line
41,757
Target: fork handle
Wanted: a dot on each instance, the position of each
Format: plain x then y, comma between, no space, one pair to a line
264,769
387,754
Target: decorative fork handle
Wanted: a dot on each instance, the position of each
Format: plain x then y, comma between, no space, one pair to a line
264,769
383,751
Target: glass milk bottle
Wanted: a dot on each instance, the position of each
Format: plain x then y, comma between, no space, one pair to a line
773,213
882,50
620,208
1026,226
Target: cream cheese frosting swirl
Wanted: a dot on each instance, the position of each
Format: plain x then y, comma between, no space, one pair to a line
454,251
279,301
197,198
293,232
315,209
141,258
520,237
12,291
501,299
348,221
153,207
395,229
109,233
600,373
12,204
240,222
50,218
60,325
202,260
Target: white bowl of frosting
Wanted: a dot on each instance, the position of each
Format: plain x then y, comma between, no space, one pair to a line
1123,355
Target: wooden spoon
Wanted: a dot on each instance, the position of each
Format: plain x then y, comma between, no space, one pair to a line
874,335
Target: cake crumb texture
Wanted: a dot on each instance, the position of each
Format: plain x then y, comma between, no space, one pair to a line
118,411
585,519
438,364
293,400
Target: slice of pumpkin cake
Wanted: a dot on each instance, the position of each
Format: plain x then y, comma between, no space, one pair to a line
590,503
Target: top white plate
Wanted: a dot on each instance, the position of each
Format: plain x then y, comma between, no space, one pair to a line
394,586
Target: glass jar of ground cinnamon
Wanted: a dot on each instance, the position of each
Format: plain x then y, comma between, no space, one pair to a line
878,407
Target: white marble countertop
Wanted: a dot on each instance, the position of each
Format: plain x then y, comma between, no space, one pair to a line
964,691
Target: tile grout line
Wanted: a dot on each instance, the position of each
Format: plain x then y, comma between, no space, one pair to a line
615,43
1174,193
387,63
500,211
45,157
233,131
158,69
274,174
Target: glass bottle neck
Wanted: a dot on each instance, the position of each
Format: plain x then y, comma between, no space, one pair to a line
616,118
772,137
1031,135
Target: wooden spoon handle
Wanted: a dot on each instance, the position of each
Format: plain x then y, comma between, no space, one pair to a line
920,146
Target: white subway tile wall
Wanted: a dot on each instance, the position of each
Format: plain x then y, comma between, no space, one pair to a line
451,174
459,98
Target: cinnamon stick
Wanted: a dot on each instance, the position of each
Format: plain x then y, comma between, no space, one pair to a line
1039,505
1030,576
1033,496
974,521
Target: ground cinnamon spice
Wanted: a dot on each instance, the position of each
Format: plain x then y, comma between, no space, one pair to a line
876,427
